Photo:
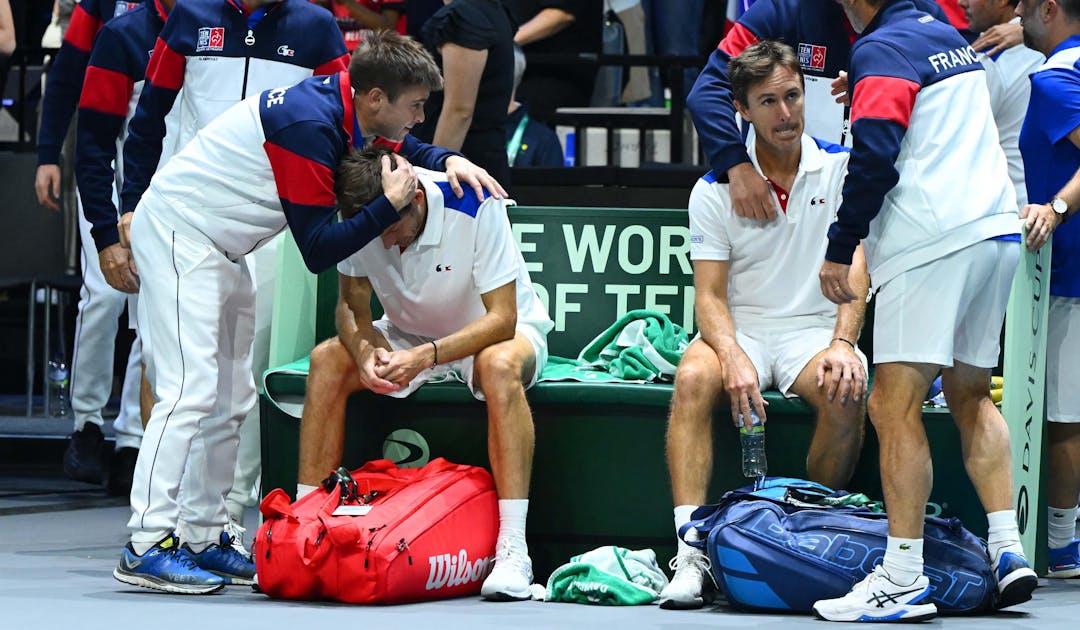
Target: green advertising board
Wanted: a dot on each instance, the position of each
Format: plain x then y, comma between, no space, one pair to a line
1024,399
590,266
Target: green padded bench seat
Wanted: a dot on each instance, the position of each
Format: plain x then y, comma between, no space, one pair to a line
551,392
600,471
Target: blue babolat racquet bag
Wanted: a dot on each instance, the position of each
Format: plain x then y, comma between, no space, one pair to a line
794,542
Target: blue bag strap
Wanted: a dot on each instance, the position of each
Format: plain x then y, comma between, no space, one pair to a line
699,543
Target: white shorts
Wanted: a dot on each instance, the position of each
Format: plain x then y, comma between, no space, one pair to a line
462,369
781,355
947,310
1063,360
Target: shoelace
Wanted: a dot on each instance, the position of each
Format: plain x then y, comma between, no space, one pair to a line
698,560
506,552
182,557
235,533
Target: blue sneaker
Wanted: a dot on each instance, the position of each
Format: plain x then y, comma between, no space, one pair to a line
1015,579
165,567
1065,562
226,560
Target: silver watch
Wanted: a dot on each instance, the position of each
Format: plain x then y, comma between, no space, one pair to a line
1059,206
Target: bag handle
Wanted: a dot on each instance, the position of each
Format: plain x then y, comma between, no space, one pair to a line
439,464
319,547
685,529
276,504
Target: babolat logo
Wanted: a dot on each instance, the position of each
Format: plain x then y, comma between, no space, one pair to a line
448,571
850,551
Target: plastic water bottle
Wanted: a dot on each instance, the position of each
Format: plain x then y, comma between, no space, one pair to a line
752,439
58,387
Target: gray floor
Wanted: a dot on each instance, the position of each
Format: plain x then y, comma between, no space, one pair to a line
56,565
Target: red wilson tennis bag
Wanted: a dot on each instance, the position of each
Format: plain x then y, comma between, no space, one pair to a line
383,535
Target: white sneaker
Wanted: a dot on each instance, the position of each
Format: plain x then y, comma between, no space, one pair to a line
236,533
684,591
512,576
876,598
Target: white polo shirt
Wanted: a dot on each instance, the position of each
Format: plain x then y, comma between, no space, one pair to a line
433,288
1007,79
773,272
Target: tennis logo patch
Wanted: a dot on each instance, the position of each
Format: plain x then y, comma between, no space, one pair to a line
812,57
123,7
407,449
211,38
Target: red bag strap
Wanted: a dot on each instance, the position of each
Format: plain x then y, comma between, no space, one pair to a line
313,545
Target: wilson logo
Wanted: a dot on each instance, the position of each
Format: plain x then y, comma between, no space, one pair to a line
448,571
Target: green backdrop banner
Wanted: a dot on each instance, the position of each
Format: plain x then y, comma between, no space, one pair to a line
590,266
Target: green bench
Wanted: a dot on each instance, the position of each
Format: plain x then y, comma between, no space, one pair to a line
599,475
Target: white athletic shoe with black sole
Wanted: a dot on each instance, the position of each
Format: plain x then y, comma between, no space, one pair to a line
511,579
691,567
877,599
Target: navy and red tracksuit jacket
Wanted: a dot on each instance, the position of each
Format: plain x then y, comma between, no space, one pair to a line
819,32
221,52
65,79
114,79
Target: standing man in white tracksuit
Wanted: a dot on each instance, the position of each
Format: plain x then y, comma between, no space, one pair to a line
264,164
220,52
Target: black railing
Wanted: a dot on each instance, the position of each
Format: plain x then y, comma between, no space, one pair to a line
671,68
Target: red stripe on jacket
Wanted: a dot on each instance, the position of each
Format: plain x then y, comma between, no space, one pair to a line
106,91
888,98
300,180
166,69
82,29
339,64
738,39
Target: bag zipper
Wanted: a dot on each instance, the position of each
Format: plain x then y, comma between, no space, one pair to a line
435,492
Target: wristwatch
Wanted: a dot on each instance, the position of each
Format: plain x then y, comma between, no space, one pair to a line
1059,206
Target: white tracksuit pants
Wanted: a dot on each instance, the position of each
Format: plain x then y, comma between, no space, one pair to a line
245,490
197,313
96,325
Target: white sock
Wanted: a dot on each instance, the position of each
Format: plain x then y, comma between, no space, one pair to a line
682,517
512,516
1060,526
1002,534
302,490
903,560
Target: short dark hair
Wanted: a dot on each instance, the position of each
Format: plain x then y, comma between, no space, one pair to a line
757,62
392,62
1071,9
359,178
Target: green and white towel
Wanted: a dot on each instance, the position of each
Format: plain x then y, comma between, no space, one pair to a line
642,346
611,576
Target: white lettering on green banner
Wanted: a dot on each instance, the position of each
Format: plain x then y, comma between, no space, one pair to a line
1024,398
